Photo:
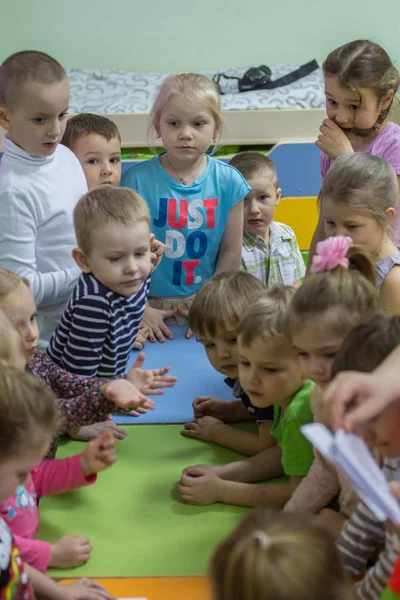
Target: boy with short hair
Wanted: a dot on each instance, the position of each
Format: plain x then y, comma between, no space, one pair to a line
96,142
40,182
270,250
100,323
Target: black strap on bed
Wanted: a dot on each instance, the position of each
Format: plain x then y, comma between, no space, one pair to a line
259,78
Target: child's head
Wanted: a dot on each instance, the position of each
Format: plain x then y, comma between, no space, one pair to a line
28,420
278,556
34,99
12,347
17,302
259,204
358,198
96,142
360,84
364,349
215,314
187,115
112,227
269,371
329,304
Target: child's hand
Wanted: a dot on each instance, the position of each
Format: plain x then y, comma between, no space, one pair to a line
99,454
185,313
157,250
125,394
332,140
70,551
202,429
150,381
154,319
141,337
84,589
209,406
91,432
200,485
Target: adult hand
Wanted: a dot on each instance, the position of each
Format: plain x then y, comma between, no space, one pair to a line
332,140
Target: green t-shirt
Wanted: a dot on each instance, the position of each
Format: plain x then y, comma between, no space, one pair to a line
297,452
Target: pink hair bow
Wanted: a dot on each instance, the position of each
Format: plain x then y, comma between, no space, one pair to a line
331,253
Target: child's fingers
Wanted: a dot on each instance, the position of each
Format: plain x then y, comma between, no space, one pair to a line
138,362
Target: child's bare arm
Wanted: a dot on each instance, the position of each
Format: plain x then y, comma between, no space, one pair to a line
230,247
271,495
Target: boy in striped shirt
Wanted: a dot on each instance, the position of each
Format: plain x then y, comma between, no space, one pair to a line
102,318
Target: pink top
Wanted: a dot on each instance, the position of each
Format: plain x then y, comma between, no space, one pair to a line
21,512
386,145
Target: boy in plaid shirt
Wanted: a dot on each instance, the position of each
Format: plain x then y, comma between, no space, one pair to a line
270,250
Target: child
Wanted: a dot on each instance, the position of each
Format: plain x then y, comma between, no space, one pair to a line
100,323
40,182
270,374
96,142
271,556
338,296
28,419
360,85
358,199
81,401
213,318
195,201
363,535
270,250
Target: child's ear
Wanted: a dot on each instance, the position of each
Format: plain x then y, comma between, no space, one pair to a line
391,213
4,120
157,127
386,100
81,260
278,196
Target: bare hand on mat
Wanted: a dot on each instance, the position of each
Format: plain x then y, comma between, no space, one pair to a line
99,454
91,432
150,381
203,428
332,140
185,313
85,589
154,319
70,551
200,485
125,394
210,406
141,337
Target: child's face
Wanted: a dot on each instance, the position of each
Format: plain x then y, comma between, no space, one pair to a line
343,105
316,346
100,159
260,204
119,257
269,372
383,432
37,121
222,351
14,471
364,229
20,308
187,129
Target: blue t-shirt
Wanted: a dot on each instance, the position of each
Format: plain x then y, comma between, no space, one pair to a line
190,220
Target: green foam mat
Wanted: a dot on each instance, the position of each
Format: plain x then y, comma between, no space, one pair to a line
132,514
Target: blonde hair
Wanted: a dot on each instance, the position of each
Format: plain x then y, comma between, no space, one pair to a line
9,282
104,204
11,342
222,301
278,556
363,182
250,164
26,406
267,317
28,65
193,87
347,295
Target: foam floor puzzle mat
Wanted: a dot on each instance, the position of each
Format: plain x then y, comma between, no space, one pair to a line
196,377
133,516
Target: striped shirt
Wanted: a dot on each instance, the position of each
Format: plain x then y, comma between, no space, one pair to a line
98,329
280,261
362,538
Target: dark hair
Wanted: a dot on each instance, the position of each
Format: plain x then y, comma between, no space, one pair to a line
364,64
250,163
367,346
87,123
24,66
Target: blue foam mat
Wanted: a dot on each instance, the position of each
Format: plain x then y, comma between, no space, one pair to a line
196,377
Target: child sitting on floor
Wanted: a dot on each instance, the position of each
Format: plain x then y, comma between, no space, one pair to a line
82,401
271,556
335,298
270,250
213,318
270,374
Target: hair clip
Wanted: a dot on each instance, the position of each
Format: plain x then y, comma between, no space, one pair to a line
331,253
263,539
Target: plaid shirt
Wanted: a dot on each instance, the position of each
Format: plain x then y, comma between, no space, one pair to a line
280,261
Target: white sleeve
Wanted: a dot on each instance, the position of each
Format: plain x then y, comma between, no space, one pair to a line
18,253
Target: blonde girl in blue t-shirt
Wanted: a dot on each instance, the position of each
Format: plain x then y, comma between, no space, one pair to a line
195,201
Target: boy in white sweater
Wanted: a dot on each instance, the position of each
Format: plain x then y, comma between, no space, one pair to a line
40,182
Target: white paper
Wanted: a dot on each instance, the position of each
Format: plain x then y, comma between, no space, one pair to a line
350,454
